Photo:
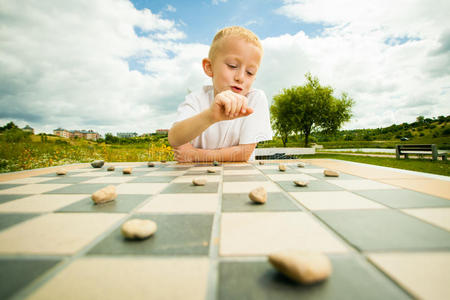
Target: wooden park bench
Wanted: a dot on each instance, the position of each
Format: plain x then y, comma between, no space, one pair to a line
405,150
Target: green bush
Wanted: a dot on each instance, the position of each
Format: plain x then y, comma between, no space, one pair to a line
15,135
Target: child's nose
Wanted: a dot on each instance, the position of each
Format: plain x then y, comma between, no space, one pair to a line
239,75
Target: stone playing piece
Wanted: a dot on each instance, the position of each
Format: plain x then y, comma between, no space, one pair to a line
97,163
261,162
301,165
302,266
61,172
199,181
258,195
211,171
104,195
150,165
127,170
138,229
282,167
330,173
300,183
215,163
111,168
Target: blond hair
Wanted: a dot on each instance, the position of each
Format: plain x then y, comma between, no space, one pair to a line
236,31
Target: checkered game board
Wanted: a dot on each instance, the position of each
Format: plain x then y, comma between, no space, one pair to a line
212,242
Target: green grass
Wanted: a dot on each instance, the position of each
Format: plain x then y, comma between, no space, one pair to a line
421,165
32,154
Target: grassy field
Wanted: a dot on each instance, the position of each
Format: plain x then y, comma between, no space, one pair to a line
56,152
421,165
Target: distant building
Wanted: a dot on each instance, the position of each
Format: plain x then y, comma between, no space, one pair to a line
126,134
162,131
62,132
82,134
28,129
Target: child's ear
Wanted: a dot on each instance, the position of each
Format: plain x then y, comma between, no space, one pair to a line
207,67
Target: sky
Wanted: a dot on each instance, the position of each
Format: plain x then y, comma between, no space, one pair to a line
125,66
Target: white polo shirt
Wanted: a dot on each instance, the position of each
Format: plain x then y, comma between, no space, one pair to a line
246,130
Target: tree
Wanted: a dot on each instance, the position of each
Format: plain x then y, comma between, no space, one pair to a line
280,117
309,108
420,119
8,126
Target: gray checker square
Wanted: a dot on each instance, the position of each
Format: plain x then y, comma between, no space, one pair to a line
187,187
176,235
244,178
122,204
313,186
385,230
352,278
81,188
400,198
241,203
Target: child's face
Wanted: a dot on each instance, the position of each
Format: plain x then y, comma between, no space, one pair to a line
234,66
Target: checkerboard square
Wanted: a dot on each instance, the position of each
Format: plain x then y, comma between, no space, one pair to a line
189,187
242,172
140,188
242,178
6,198
122,204
439,216
17,273
246,187
55,234
39,203
182,203
334,200
425,274
188,179
35,188
152,179
290,177
176,235
385,230
400,198
363,184
8,220
313,185
352,278
259,234
241,202
66,179
128,278
81,188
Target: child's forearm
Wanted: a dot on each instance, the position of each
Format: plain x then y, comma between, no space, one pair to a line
187,130
229,154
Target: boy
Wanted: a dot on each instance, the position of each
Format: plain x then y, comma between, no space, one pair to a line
225,121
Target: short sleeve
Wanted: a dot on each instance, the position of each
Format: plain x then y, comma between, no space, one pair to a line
187,109
256,127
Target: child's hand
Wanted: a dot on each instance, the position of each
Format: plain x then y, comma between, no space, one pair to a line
228,106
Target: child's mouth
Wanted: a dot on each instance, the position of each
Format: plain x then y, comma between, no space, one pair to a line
236,89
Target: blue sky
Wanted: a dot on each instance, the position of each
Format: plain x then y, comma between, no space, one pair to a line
125,66
200,20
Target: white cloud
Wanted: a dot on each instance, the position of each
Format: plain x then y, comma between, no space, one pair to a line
64,63
216,2
170,8
390,82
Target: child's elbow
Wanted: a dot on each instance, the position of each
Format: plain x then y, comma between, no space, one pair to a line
171,139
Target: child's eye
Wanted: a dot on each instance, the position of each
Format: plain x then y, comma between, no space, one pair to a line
249,73
232,66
